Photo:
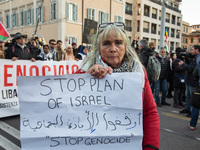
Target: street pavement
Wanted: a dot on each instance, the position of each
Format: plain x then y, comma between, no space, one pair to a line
175,132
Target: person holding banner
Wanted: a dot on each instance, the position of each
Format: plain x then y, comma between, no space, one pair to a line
19,50
112,53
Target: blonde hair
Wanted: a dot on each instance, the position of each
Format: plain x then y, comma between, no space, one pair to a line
130,54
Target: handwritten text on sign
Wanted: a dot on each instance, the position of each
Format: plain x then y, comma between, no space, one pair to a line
79,111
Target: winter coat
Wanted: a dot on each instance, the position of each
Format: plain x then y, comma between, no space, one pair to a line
35,51
17,51
189,76
179,74
164,62
144,55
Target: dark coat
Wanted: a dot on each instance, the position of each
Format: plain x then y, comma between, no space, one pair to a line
144,55
189,76
164,62
35,51
179,72
17,51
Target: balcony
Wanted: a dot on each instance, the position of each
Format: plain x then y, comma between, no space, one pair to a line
173,21
146,14
173,8
146,30
178,23
157,2
128,28
153,31
172,35
154,16
129,12
167,20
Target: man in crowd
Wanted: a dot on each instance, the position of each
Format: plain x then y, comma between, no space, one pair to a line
195,111
52,49
161,83
145,52
19,50
75,50
2,43
190,83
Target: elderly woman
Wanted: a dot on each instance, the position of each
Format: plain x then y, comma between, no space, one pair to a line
112,52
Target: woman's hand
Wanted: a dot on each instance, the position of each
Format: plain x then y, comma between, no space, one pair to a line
98,71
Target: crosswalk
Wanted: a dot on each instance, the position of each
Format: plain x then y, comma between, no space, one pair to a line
9,137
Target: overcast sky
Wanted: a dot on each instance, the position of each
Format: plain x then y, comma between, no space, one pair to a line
191,11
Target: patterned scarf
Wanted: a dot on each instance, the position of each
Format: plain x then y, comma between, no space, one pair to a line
122,68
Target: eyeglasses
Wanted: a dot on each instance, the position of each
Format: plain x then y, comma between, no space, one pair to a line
118,24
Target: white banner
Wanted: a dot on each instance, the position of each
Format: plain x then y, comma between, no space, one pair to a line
80,112
9,70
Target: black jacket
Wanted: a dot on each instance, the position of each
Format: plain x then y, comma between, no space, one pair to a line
179,74
189,76
35,51
17,51
164,62
144,55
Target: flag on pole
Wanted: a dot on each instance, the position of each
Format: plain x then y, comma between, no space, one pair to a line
3,33
166,40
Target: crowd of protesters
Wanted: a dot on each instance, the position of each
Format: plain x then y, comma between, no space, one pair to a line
35,50
177,67
177,74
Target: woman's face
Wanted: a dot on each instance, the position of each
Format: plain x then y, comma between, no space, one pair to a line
85,50
112,50
69,49
174,57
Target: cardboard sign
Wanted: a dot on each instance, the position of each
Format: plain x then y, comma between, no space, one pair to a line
80,112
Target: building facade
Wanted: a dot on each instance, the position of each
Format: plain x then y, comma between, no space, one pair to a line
194,38
149,21
59,19
185,35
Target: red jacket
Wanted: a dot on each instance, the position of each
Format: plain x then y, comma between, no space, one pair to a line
151,123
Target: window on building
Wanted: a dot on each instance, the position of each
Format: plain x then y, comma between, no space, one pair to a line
192,40
91,14
53,11
72,39
186,40
118,19
128,9
138,26
22,17
7,20
39,14
1,18
29,16
103,17
71,12
14,19
186,30
128,25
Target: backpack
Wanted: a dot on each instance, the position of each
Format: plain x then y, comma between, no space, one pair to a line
153,69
